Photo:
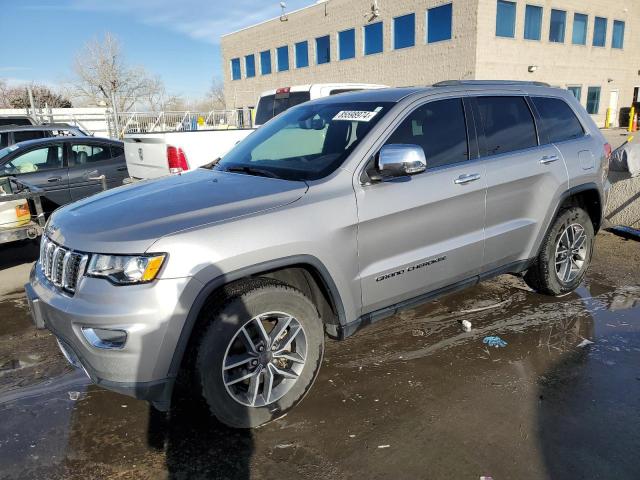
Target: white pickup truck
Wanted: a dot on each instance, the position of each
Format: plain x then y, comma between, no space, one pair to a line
151,155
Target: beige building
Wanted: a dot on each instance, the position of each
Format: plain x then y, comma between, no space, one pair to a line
591,47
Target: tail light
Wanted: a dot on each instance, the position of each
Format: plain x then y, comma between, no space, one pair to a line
607,161
22,210
607,150
176,159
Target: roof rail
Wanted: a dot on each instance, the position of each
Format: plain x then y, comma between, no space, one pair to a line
452,83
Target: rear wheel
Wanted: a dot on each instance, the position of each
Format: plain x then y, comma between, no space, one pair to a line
565,254
260,353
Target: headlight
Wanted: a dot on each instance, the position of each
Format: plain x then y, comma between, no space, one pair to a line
126,269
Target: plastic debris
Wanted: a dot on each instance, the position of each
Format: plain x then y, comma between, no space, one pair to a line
584,343
74,395
484,477
466,325
494,341
384,446
416,332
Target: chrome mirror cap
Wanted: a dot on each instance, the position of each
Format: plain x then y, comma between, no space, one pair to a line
399,160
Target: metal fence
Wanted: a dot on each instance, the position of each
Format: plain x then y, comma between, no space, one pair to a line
148,122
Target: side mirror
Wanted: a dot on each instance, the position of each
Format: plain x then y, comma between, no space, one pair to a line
401,160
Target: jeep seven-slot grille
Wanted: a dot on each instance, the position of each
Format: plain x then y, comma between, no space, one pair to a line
60,265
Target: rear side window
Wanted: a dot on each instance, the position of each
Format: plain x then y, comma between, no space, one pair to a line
271,105
14,121
508,124
117,152
439,128
4,140
27,135
83,154
558,122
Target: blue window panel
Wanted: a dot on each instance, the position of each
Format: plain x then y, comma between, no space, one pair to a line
404,31
600,32
593,100
236,72
282,55
302,54
347,44
323,50
533,22
373,38
265,62
577,92
250,65
439,23
558,26
618,34
580,21
506,19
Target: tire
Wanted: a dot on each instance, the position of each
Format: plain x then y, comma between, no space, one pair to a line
233,334
543,276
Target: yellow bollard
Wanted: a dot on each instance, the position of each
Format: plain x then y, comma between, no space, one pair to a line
607,121
632,117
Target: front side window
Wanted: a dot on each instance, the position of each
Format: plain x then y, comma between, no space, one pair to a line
302,54
439,128
38,160
347,44
83,154
265,62
579,36
557,26
593,100
404,31
323,50
576,91
506,19
533,22
373,38
250,65
508,124
283,58
307,142
618,34
439,23
558,121
600,32
236,73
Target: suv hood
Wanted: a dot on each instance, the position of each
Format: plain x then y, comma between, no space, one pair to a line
129,219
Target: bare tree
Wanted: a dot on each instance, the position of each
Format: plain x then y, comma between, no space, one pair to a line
102,72
216,95
43,96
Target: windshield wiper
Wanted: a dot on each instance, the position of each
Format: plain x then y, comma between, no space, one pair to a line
258,172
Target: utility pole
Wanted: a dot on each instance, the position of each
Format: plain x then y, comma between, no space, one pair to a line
33,104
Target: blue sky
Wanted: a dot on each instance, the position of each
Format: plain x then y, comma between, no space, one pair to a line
175,39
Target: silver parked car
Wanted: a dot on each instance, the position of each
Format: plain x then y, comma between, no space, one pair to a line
333,215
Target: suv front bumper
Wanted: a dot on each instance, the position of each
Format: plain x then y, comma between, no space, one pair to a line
152,315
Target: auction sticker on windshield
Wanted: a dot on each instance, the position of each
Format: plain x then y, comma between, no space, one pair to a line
356,115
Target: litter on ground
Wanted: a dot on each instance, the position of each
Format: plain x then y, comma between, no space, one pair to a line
494,341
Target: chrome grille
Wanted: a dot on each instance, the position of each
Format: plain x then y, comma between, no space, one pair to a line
61,266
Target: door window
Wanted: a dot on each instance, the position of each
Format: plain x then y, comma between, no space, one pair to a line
439,128
508,124
38,160
117,152
558,121
83,154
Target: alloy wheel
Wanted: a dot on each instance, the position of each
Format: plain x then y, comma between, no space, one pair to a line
571,253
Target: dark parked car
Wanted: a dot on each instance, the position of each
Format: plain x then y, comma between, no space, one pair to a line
12,134
65,167
17,120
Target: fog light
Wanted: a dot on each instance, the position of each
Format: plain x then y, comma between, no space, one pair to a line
105,338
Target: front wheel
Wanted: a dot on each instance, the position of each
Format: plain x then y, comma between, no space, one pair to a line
565,254
260,353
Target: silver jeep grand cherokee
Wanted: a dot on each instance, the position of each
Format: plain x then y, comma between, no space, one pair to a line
335,214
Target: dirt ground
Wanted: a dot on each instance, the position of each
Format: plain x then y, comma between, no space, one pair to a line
411,397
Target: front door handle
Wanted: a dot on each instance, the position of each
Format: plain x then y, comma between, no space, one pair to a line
468,178
54,179
549,159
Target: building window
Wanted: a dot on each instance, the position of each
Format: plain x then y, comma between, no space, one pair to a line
283,58
439,23
580,29
373,38
506,19
593,100
404,31
265,62
236,73
618,34
347,44
532,22
323,50
600,32
577,92
250,66
302,54
557,26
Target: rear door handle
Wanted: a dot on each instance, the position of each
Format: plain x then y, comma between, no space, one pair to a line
463,179
549,159
54,179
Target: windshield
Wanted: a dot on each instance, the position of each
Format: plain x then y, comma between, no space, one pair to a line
305,143
270,106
